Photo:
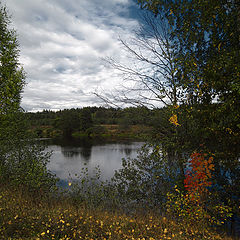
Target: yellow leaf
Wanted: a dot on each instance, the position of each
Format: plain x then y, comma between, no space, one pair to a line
173,119
219,46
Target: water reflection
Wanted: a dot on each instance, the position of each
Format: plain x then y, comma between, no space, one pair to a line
69,157
73,152
128,151
86,153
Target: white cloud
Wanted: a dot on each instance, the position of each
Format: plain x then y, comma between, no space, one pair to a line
62,43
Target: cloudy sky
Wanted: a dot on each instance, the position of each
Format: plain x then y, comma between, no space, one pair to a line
62,44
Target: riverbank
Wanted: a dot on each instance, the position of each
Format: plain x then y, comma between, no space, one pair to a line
105,132
34,216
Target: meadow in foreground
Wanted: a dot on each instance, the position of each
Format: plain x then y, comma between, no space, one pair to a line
29,217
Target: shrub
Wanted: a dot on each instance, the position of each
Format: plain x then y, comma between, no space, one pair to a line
23,161
144,180
91,192
198,203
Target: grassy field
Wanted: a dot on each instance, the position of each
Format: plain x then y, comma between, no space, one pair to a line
25,216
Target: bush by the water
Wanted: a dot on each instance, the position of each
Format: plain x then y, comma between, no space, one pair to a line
23,159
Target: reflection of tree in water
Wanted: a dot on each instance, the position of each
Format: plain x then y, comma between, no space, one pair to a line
128,151
86,152
124,151
71,152
73,148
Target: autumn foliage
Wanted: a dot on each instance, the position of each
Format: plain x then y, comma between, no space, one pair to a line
197,203
198,176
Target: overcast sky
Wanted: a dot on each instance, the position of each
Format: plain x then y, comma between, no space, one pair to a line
62,44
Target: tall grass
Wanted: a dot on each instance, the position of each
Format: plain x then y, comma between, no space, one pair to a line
27,216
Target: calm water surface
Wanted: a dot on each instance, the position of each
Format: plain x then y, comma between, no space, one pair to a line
69,157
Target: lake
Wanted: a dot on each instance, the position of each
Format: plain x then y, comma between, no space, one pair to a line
70,156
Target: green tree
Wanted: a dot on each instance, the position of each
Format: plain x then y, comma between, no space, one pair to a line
11,73
22,161
206,36
85,119
68,122
206,39
203,92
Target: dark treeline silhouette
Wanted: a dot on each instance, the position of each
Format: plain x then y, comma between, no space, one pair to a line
99,115
89,120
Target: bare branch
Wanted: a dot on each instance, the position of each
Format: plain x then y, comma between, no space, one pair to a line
151,76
